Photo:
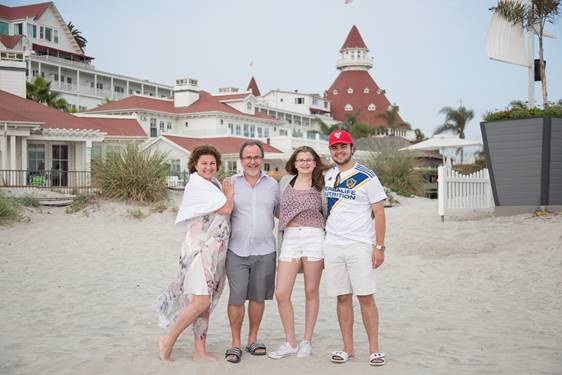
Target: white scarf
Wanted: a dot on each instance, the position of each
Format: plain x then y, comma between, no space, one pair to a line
200,197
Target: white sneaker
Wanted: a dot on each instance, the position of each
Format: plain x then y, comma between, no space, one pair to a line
283,351
305,349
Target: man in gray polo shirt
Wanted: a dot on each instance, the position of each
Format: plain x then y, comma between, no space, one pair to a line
251,257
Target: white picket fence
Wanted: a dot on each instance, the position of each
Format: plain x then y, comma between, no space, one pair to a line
459,193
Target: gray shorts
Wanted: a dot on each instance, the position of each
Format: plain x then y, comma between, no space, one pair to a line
250,278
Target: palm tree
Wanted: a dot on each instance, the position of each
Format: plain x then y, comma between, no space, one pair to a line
356,129
77,35
39,90
419,135
393,119
533,16
456,120
517,104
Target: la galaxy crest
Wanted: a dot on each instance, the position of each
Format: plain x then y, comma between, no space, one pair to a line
350,183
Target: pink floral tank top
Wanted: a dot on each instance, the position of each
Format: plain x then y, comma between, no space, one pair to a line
303,207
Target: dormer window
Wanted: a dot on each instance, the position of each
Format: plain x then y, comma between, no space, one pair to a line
249,106
366,90
350,90
348,108
335,92
372,107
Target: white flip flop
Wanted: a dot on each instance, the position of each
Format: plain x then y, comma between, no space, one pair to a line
339,356
376,359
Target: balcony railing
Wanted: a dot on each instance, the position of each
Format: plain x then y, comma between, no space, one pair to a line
55,180
58,60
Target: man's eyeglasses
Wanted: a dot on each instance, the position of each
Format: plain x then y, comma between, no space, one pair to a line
252,158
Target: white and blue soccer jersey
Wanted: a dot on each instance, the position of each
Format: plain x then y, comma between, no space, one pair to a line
349,204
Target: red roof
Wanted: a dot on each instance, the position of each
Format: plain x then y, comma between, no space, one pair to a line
17,13
354,39
208,103
10,41
135,102
15,108
226,145
253,87
358,81
124,127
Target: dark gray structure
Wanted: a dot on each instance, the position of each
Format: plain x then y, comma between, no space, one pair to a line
524,160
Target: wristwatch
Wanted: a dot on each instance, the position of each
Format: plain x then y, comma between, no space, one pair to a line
380,247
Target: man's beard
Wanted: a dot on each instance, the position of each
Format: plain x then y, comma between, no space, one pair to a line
345,161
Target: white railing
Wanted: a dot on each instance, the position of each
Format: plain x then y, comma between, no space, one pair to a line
458,193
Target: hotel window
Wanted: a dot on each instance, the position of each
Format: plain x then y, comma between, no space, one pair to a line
169,125
266,167
153,129
366,90
175,166
56,77
35,157
348,108
230,128
18,29
252,131
68,80
161,126
56,36
31,31
260,132
41,32
186,124
246,130
372,107
99,86
238,132
350,90
335,92
283,132
299,100
3,28
231,166
48,33
266,132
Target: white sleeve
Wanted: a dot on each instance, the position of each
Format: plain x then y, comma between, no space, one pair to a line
375,191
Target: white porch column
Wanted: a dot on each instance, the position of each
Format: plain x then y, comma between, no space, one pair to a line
24,165
142,88
95,84
60,82
156,91
88,156
12,152
128,93
112,89
39,68
4,152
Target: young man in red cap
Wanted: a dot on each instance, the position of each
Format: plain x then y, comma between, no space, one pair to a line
354,244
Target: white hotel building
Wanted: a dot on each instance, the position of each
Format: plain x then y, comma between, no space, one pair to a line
41,33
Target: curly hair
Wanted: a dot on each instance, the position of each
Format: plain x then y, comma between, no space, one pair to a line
319,168
199,151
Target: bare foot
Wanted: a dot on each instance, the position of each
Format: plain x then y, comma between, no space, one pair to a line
165,349
204,357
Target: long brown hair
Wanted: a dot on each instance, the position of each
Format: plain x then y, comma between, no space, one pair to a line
319,168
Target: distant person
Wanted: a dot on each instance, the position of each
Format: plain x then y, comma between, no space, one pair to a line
354,243
250,263
194,294
301,222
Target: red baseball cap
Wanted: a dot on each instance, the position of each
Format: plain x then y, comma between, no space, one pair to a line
339,136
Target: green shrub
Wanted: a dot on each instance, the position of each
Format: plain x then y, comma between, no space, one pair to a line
395,170
133,174
79,203
29,201
516,113
9,209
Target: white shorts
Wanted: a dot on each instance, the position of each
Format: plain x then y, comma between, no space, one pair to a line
349,269
301,242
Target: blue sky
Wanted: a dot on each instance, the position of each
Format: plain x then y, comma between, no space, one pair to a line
427,54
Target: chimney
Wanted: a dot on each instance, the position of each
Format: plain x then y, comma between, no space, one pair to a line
186,92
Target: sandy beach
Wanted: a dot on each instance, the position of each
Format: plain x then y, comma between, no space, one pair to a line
473,295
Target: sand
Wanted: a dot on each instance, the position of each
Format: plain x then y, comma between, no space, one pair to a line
473,295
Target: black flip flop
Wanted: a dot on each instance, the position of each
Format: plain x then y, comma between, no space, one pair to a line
254,348
235,352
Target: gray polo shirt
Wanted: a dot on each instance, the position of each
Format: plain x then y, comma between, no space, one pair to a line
252,219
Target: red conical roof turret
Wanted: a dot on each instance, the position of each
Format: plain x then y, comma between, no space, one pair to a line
253,87
354,39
